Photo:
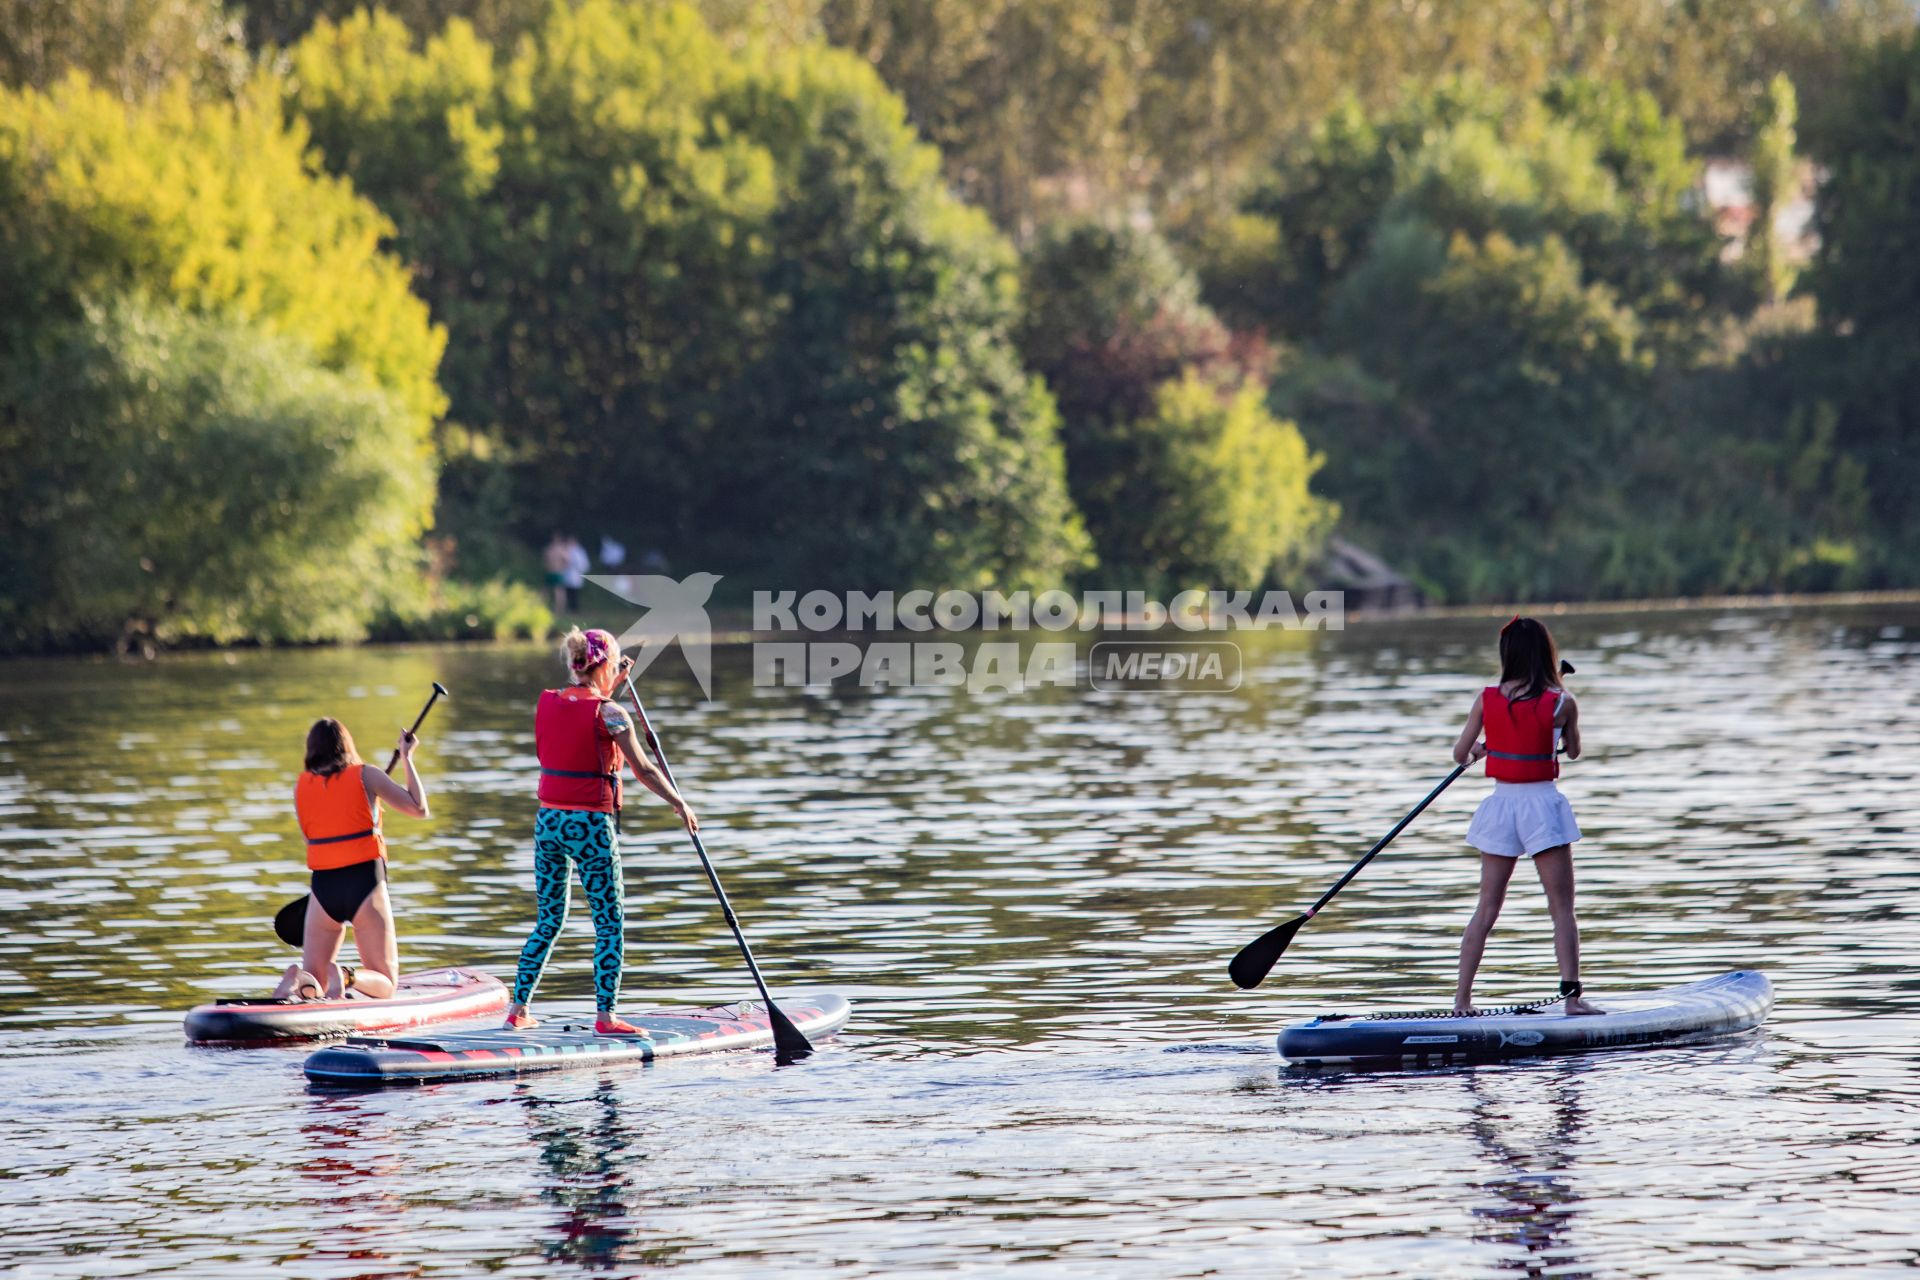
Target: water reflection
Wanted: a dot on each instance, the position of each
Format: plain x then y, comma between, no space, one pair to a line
1534,1202
587,1150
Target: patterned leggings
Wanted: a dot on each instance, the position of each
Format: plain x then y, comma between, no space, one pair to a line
587,840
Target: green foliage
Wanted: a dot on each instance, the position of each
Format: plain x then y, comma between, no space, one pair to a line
284,22
696,289
173,477
135,48
1111,315
1866,280
209,206
1589,165
1184,476
1050,106
1775,175
1205,491
450,609
1482,391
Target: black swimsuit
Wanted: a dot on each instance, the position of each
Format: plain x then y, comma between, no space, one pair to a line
342,891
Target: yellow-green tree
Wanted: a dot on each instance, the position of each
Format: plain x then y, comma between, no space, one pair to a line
216,392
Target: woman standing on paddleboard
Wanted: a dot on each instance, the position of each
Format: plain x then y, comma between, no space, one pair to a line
337,801
1526,716
584,739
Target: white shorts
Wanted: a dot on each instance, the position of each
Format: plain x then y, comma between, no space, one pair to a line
1521,819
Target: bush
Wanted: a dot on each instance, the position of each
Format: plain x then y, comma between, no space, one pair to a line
180,478
1209,490
454,610
718,299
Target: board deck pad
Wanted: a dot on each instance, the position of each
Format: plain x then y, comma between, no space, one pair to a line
563,1043
420,999
1694,1013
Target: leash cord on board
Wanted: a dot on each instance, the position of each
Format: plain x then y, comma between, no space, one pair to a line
1399,1015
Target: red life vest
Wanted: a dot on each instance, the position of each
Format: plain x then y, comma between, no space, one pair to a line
580,763
341,824
1520,736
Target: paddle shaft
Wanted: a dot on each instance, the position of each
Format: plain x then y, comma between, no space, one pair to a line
417,722
699,847
1386,840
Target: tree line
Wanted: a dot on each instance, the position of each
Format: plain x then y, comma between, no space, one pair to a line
315,319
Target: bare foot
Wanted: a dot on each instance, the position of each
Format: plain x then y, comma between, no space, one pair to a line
289,981
298,984
1464,1009
612,1024
1579,1007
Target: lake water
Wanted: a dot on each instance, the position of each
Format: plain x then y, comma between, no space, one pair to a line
1032,901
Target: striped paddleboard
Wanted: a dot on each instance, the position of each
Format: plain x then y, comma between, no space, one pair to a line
561,1044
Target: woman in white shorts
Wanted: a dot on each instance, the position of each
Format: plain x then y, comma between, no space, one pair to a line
1528,718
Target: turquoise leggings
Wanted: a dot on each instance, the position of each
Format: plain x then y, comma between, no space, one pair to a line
562,838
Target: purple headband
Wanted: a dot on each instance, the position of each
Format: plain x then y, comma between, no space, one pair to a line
599,649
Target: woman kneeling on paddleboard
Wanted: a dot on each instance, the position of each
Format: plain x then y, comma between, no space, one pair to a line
584,739
337,801
1525,717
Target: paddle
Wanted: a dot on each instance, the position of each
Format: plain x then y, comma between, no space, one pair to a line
1257,958
290,921
789,1044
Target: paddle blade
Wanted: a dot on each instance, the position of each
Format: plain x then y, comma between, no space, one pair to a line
290,922
1257,958
789,1045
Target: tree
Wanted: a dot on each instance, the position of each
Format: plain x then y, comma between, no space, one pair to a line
172,477
1482,391
718,297
209,206
206,364
1592,165
1776,170
1184,476
1865,279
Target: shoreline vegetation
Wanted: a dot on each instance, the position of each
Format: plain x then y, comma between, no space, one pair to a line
731,628
321,317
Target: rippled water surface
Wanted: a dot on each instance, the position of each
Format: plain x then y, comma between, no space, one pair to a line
1032,901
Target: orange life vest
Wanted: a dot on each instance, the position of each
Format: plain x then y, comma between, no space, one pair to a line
340,822
580,763
1520,735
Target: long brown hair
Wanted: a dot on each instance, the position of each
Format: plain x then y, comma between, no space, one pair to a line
329,747
1528,657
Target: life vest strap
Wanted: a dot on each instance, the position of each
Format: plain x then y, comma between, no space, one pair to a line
611,779
357,835
1512,755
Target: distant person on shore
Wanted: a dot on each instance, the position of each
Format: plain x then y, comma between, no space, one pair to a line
554,559
655,561
613,553
337,801
585,740
1526,716
575,573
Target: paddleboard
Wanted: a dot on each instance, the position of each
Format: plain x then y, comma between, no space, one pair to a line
419,999
560,1044
1690,1014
